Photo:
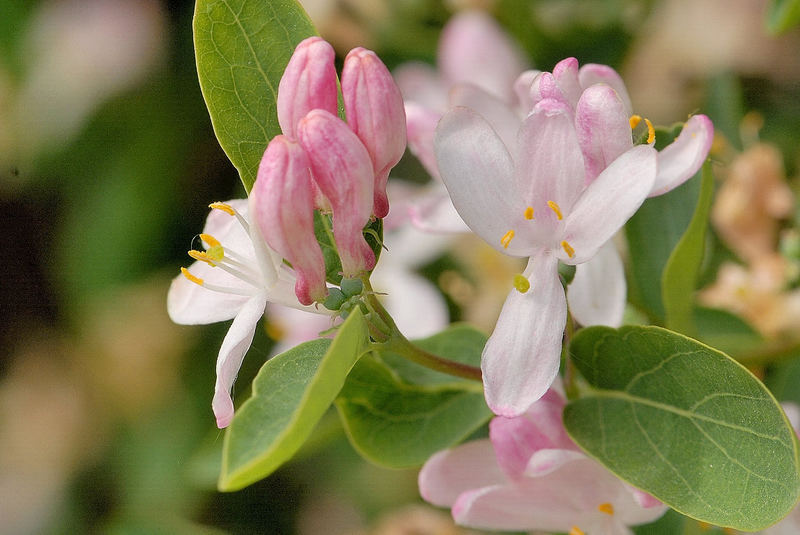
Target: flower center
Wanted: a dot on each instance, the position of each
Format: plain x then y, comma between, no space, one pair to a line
230,261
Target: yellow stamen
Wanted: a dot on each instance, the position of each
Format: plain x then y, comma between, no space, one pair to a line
521,283
196,280
506,239
576,531
529,212
222,206
555,208
203,257
606,508
210,240
568,249
635,120
651,132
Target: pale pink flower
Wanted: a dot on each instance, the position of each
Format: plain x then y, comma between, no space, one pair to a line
233,278
529,475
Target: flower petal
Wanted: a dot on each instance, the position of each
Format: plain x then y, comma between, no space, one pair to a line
555,501
503,119
309,82
608,202
598,291
479,174
421,85
549,163
434,213
594,73
375,113
523,354
420,128
516,440
604,131
566,74
522,88
343,170
679,161
451,472
231,354
474,48
190,304
544,461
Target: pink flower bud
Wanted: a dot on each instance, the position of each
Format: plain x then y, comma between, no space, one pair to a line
309,82
343,171
282,205
375,113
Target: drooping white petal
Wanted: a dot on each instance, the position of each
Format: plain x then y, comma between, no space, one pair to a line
597,293
523,354
231,354
434,213
451,472
679,161
190,304
608,202
479,175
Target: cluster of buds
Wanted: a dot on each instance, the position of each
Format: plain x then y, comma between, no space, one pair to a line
322,162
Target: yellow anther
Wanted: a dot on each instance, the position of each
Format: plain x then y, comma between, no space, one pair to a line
576,531
521,283
529,212
196,280
506,239
606,508
635,120
222,206
555,208
568,249
651,132
203,257
210,240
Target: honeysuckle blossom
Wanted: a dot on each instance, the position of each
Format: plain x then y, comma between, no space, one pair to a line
536,200
529,475
478,66
233,278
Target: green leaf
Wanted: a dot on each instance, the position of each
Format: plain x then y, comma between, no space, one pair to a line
652,233
725,331
290,394
686,423
679,278
400,417
783,15
242,48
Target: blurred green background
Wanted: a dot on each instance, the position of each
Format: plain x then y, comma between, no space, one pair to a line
107,165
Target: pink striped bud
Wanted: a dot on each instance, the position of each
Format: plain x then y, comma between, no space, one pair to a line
282,205
375,112
309,82
343,171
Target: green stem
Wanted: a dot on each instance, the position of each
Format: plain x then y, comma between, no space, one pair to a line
395,341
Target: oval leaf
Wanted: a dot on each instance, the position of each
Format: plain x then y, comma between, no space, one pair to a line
400,417
686,423
290,394
242,48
